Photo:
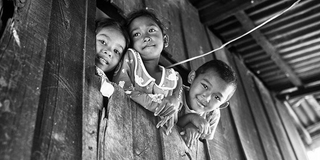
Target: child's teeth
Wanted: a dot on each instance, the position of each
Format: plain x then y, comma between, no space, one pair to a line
103,61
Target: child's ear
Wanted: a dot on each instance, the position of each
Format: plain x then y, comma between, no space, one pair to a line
166,40
191,76
224,105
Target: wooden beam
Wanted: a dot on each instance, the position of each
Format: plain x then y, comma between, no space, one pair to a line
313,128
268,47
299,92
314,104
215,12
305,134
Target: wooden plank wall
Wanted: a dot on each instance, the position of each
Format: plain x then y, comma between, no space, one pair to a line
51,108
21,68
44,53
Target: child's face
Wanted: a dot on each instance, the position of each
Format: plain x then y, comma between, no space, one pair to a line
110,44
207,91
147,37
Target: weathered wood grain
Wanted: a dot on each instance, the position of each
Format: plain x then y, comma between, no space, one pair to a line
58,132
226,143
169,13
22,54
243,117
293,135
116,126
262,124
92,99
282,140
126,7
173,146
146,138
194,35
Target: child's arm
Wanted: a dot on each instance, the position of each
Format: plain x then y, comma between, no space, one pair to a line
213,119
171,104
195,119
125,78
190,134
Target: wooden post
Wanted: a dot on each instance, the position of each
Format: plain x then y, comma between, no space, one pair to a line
23,48
45,49
70,51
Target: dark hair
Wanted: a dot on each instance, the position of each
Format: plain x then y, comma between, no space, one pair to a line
108,22
145,13
224,71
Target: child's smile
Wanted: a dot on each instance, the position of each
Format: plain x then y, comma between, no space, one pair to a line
109,47
207,92
201,103
103,61
147,37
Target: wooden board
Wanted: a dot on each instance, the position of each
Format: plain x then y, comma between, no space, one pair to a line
22,51
242,116
226,143
169,13
146,138
116,128
173,146
259,114
285,148
59,123
126,7
292,133
92,99
194,35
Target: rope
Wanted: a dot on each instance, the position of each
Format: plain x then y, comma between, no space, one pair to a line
222,46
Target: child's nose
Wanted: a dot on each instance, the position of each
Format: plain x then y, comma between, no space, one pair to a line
108,53
146,39
207,96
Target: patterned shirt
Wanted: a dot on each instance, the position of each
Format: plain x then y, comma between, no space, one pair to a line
133,77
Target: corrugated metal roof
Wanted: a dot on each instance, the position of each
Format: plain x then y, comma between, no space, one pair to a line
284,54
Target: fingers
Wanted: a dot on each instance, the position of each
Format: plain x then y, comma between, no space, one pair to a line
162,122
201,128
188,140
159,109
192,139
167,110
204,128
170,125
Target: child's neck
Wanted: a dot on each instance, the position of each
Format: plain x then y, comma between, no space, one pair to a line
154,70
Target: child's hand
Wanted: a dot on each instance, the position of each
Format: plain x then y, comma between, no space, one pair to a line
201,123
169,120
191,135
168,107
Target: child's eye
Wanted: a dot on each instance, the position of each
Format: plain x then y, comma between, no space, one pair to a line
102,42
117,51
205,86
136,35
152,30
217,98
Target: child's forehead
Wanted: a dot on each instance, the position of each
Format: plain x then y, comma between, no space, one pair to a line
212,77
106,31
209,72
144,20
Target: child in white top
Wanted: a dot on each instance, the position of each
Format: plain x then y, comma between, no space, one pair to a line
144,80
112,41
